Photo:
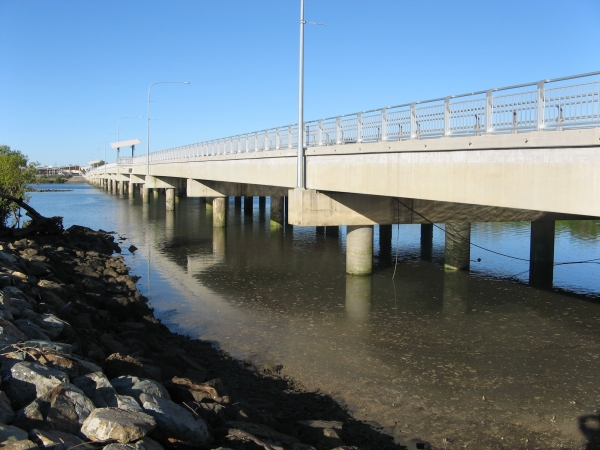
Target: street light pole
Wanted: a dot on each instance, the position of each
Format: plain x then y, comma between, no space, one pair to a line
119,123
105,136
148,115
300,160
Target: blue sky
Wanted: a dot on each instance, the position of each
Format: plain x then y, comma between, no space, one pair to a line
69,69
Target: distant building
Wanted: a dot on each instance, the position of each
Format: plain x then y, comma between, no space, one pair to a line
67,171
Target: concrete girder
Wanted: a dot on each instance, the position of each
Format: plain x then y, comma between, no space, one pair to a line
314,208
207,188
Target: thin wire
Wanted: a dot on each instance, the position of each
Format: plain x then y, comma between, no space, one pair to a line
590,261
459,236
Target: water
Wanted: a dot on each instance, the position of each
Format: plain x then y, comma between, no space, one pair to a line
477,359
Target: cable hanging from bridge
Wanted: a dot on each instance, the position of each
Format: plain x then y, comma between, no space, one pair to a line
588,261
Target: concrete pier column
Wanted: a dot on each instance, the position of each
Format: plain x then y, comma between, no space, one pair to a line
121,187
145,194
426,241
155,192
332,231
131,190
359,250
219,212
170,199
385,242
248,205
458,246
276,213
358,298
541,254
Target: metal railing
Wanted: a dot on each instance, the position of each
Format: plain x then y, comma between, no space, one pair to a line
511,109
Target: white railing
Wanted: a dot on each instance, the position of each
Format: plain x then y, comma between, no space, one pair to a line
511,109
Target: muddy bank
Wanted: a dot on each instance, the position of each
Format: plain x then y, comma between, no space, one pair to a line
85,363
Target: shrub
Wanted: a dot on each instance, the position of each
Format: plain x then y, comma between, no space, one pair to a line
17,175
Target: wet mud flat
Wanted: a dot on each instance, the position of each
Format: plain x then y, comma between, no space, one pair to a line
86,364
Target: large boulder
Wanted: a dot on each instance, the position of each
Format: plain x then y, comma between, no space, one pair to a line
114,423
7,414
57,440
9,334
174,421
28,380
134,387
97,387
65,408
10,434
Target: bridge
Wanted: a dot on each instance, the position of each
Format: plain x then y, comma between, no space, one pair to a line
528,152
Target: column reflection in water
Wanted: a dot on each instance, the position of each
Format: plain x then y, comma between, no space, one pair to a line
358,298
219,241
456,292
169,226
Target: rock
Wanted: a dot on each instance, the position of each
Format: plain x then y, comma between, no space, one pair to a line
51,325
9,334
213,390
321,433
7,414
31,330
212,412
47,344
98,389
7,258
65,408
84,366
128,403
51,359
264,432
134,387
132,248
118,364
146,443
57,440
175,421
28,380
119,447
20,445
10,434
113,423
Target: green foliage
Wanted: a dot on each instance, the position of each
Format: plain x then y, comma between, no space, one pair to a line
17,175
99,163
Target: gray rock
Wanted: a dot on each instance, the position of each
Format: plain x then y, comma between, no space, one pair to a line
43,344
7,414
113,423
134,387
146,443
51,325
84,366
174,420
57,440
119,447
9,334
128,403
7,258
31,329
28,380
264,432
97,387
10,434
20,445
65,408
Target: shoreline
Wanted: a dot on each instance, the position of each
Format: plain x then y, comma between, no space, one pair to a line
70,290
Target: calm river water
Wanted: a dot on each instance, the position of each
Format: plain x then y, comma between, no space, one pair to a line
462,360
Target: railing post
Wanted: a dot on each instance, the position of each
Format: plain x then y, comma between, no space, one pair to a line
384,124
446,116
541,105
338,130
266,140
413,121
246,147
256,141
277,143
359,127
290,138
320,133
489,112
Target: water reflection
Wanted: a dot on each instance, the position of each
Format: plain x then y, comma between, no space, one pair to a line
358,298
456,292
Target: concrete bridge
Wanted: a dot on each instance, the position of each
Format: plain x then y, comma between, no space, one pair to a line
528,152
